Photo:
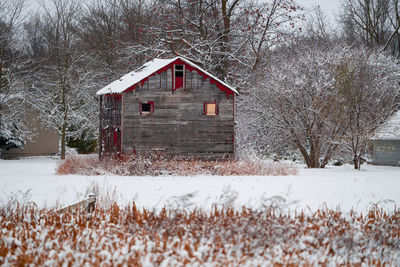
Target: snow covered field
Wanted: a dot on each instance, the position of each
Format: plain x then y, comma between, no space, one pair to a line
35,180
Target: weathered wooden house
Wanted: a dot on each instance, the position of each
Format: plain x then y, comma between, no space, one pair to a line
386,142
169,105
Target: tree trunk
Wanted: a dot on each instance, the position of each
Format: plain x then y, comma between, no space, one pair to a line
314,152
356,155
304,153
64,124
63,139
328,155
357,161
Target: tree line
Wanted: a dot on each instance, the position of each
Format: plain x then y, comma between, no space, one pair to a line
284,60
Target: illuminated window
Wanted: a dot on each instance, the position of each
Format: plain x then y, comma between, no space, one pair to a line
211,109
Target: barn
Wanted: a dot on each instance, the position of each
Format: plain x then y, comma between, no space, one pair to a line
386,142
168,105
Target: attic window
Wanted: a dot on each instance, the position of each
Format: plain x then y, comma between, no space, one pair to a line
211,109
178,70
146,107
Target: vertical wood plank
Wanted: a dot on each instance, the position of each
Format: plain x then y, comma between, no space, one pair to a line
188,80
194,80
169,80
163,81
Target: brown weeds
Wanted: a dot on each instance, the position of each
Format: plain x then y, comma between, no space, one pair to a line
155,165
224,237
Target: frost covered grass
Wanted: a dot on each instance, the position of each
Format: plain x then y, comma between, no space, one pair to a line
223,236
155,165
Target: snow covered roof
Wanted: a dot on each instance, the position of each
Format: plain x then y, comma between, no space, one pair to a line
134,77
390,130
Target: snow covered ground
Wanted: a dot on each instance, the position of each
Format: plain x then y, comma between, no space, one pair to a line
335,187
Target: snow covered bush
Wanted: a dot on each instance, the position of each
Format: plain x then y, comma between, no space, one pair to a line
13,126
220,237
157,164
13,96
318,97
11,136
85,143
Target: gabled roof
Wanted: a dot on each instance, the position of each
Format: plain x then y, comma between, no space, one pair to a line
149,68
390,130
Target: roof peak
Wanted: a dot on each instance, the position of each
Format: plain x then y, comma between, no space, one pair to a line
128,80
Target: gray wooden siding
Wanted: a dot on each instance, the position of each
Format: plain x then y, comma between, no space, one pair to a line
178,125
111,112
110,124
387,152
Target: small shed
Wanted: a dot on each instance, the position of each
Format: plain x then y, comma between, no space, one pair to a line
386,142
168,105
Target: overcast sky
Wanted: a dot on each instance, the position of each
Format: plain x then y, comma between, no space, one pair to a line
330,7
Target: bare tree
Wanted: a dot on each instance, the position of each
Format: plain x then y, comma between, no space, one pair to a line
296,100
13,131
368,81
64,76
317,25
100,28
229,38
319,97
373,22
369,18
113,32
393,42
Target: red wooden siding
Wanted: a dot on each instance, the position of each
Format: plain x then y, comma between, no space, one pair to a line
189,67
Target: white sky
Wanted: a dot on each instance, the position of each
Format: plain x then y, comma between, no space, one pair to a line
330,7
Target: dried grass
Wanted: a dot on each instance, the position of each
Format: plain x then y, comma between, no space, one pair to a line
221,237
156,164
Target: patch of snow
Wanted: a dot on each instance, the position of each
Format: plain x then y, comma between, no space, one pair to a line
335,187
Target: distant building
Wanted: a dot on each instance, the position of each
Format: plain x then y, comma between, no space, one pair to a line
386,142
43,143
171,105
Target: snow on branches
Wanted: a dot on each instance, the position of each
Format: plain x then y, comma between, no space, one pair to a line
319,97
228,38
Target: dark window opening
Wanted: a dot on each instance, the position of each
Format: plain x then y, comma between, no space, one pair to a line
146,107
178,70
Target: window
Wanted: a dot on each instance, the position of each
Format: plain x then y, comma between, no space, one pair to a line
179,77
211,109
146,107
178,70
